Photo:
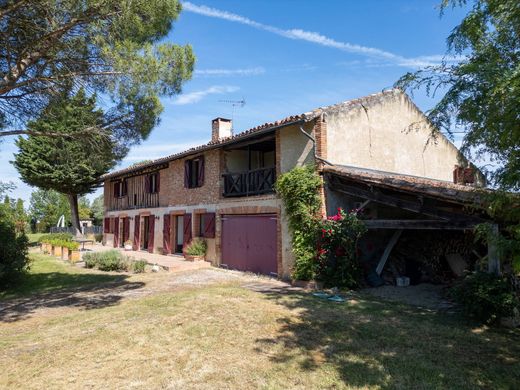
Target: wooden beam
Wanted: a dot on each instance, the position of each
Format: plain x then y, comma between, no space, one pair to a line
420,224
387,251
416,207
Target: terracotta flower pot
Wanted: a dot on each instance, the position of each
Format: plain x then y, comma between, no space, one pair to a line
74,256
57,251
194,258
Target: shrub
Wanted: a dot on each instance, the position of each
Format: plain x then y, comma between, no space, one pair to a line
49,238
90,259
138,266
197,247
298,189
337,260
485,296
14,261
111,260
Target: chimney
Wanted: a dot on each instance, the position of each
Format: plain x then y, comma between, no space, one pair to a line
220,128
463,175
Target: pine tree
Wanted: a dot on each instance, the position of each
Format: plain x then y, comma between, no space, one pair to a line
67,164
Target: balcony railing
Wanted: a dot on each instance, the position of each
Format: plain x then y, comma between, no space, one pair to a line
255,182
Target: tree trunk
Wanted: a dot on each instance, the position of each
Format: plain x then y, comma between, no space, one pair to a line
73,201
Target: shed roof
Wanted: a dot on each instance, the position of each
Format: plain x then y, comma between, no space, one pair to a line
407,183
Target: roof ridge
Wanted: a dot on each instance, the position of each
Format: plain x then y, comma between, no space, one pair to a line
306,116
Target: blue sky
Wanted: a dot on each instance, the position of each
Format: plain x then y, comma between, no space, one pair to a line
284,57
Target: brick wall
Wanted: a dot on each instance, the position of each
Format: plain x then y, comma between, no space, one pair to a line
172,183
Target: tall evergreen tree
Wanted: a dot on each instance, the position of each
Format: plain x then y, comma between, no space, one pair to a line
66,164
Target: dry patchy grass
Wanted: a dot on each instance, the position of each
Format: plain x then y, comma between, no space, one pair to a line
225,336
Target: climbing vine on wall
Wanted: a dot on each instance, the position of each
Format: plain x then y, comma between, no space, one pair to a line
298,189
325,249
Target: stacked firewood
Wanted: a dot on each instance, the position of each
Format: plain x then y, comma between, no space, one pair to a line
421,255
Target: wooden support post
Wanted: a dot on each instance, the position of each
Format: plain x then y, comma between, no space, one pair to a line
493,255
387,251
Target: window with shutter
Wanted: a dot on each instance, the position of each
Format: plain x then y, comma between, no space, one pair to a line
152,183
106,227
194,172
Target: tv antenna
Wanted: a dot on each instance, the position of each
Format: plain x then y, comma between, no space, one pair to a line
234,104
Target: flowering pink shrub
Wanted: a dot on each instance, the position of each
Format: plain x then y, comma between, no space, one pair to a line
336,257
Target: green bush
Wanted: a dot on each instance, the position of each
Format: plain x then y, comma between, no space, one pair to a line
90,259
49,238
485,296
337,260
138,266
14,261
197,247
111,260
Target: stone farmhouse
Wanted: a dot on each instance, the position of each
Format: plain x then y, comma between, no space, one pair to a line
374,153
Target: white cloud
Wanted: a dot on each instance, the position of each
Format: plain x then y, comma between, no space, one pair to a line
314,37
230,72
197,96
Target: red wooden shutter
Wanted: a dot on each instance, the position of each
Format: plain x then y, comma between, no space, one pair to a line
200,173
151,226
209,229
166,234
187,169
126,223
116,232
137,234
147,183
106,226
187,229
158,181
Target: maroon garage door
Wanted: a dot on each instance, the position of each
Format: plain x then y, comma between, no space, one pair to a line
249,243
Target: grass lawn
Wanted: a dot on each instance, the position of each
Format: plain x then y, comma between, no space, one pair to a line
227,336
48,274
33,238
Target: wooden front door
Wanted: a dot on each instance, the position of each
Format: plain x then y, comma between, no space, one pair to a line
145,232
179,233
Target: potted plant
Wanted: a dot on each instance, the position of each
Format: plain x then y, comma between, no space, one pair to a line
65,250
128,245
74,254
196,250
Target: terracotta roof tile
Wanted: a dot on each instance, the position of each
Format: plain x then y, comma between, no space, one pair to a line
307,116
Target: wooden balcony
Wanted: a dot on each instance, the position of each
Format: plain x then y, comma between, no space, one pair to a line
133,201
248,183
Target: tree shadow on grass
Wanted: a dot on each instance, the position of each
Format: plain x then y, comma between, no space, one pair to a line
373,343
56,289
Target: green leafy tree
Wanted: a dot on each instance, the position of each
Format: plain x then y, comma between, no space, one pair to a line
482,91
481,94
98,209
64,164
6,187
84,208
111,47
14,261
46,207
